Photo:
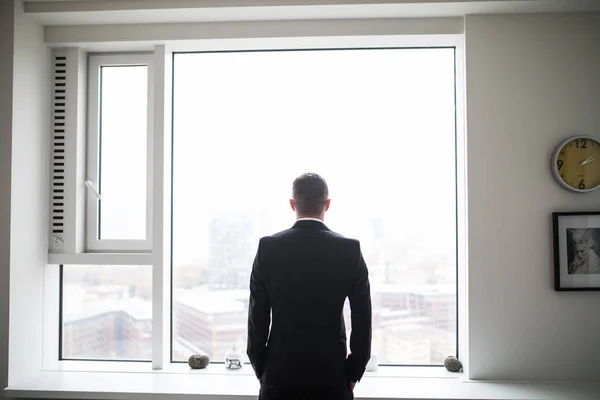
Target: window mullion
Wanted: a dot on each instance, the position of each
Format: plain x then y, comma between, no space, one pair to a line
160,134
93,133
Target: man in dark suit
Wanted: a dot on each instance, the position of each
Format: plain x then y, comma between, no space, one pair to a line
300,280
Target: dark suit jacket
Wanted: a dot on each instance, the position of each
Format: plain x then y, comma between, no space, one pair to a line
301,278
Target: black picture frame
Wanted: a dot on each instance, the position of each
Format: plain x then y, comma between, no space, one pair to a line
576,242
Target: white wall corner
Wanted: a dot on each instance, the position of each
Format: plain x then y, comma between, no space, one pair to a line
6,105
29,194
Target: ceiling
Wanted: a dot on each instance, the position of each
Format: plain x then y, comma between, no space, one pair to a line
101,12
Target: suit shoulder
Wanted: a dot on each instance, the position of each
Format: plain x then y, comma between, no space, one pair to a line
346,240
278,235
272,238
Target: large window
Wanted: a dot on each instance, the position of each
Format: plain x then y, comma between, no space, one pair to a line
378,124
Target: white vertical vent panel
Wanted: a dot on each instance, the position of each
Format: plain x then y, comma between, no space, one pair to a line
58,156
68,104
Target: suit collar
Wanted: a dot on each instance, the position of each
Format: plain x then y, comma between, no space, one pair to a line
309,219
310,224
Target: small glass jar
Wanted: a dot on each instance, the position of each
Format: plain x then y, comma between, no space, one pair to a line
233,358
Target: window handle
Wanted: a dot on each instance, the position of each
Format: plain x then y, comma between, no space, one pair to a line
93,190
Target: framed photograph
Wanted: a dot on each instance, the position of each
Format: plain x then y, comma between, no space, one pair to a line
576,251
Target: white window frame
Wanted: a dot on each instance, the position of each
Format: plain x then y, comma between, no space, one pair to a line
160,76
95,63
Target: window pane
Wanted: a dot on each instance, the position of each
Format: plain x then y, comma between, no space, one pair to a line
379,125
107,312
123,136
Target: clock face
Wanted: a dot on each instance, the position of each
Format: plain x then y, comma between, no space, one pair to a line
577,164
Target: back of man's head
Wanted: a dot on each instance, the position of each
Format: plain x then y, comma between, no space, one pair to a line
310,195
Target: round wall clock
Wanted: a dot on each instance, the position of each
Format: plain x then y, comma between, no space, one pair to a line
576,164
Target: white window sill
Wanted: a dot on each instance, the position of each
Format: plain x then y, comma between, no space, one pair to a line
219,369
100,258
429,383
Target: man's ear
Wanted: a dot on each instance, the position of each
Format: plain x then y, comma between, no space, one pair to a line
327,203
293,205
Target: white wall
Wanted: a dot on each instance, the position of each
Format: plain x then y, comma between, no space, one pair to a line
29,193
532,80
6,85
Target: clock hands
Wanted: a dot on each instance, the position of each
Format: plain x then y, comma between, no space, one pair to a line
588,160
